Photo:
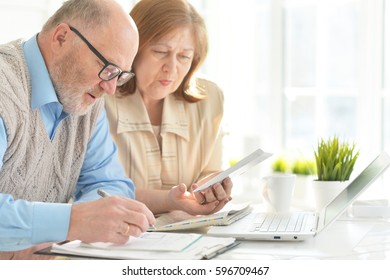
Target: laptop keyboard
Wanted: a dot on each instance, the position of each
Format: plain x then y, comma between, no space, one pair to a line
294,222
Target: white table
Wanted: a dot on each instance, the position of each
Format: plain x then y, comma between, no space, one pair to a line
345,239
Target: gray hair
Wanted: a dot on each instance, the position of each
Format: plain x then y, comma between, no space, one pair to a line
91,13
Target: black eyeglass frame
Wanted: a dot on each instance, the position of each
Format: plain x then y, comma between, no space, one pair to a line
120,72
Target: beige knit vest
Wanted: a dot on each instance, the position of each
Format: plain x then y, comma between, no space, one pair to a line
35,168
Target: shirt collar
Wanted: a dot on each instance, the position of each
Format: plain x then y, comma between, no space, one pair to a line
42,88
174,117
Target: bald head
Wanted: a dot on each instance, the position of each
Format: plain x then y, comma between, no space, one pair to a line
90,14
104,22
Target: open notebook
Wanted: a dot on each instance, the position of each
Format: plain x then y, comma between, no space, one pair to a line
148,246
302,225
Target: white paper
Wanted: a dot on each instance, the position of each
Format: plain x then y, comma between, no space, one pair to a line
160,241
237,169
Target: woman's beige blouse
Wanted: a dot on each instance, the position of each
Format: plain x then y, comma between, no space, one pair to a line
191,138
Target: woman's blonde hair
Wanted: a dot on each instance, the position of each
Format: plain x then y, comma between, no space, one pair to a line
157,18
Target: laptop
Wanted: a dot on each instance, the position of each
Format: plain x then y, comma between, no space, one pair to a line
297,226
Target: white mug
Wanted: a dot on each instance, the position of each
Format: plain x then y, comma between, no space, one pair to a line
278,191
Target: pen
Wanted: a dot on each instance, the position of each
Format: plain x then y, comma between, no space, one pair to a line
103,193
212,254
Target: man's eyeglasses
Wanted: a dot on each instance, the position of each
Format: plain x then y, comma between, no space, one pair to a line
109,70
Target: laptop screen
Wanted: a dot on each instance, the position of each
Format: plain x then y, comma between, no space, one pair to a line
360,183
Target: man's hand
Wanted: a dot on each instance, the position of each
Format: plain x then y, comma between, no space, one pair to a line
110,219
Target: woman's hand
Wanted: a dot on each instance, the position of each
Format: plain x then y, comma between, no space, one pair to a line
219,191
207,202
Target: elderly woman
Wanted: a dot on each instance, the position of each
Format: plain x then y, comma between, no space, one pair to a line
165,121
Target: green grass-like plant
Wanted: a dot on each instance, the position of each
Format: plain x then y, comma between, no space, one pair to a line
280,165
303,167
335,159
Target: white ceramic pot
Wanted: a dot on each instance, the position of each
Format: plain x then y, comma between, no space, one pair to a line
325,191
303,193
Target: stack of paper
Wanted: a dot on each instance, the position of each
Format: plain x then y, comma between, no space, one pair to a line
179,220
150,246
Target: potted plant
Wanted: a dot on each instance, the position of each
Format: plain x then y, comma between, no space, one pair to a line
335,161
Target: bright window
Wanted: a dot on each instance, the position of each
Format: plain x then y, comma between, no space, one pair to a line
296,70
292,71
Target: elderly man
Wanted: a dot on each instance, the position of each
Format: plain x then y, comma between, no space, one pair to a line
54,139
